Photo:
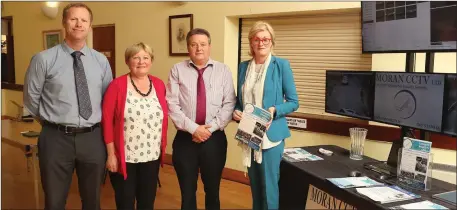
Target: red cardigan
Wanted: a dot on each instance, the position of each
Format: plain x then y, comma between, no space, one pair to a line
113,117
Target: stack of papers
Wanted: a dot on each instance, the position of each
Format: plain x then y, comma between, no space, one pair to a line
387,194
298,155
349,182
420,205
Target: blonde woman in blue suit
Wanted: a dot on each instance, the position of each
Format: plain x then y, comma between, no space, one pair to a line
267,82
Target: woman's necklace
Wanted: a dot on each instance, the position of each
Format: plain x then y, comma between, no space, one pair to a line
258,72
138,91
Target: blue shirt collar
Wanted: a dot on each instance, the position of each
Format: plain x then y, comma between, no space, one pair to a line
84,50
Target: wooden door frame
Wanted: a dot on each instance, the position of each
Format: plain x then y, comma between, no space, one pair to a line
114,50
11,75
103,25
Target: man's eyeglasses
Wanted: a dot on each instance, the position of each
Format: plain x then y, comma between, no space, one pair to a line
265,41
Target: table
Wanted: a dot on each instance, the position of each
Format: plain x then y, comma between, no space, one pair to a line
11,134
296,178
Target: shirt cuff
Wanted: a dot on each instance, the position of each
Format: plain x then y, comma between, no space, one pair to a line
213,127
191,127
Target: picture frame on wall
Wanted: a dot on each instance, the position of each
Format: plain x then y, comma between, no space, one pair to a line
51,38
179,26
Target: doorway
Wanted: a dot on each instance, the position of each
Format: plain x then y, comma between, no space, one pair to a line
7,57
104,42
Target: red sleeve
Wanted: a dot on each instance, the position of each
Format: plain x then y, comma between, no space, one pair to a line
108,108
165,116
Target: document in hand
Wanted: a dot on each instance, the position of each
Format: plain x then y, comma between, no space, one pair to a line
252,126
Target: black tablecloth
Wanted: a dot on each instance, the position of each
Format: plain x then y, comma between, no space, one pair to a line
295,179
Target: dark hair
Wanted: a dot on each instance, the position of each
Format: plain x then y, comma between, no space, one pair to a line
196,31
71,5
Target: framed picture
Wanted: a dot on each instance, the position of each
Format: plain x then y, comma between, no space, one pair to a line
51,38
179,26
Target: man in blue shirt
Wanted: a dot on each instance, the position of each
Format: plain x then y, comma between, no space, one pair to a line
56,92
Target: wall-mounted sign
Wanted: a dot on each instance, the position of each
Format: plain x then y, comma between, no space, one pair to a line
296,122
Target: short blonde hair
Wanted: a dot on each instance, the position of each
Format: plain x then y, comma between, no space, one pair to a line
258,27
136,48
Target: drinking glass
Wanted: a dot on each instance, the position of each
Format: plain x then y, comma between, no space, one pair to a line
358,136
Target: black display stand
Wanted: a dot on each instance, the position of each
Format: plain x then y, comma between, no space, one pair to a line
405,131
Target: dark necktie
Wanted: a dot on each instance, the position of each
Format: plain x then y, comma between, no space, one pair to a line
85,107
201,98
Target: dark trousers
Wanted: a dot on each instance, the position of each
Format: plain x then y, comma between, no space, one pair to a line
141,184
208,157
60,155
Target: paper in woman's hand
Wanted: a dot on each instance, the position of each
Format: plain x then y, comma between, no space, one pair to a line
252,126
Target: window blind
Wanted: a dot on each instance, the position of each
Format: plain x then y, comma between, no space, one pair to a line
313,44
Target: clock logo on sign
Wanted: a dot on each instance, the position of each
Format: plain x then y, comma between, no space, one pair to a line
405,103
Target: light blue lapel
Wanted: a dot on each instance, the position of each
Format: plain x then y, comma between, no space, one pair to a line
242,78
269,78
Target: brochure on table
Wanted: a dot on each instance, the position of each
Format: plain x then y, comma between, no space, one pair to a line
387,194
420,205
415,159
299,155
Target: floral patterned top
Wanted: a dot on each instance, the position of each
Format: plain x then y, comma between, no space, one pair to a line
143,119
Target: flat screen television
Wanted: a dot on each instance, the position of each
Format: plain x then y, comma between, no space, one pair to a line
409,26
413,100
450,106
350,93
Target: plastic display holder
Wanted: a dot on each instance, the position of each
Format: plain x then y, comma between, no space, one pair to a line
412,181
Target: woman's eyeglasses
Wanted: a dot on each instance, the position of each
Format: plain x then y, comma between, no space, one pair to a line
264,41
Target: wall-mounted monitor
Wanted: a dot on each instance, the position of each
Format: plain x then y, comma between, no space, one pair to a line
409,26
350,93
413,100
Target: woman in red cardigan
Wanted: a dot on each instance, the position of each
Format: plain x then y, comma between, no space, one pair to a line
135,126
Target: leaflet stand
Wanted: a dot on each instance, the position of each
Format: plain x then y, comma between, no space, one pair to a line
408,180
413,181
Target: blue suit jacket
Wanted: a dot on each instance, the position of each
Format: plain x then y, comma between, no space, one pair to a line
279,91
